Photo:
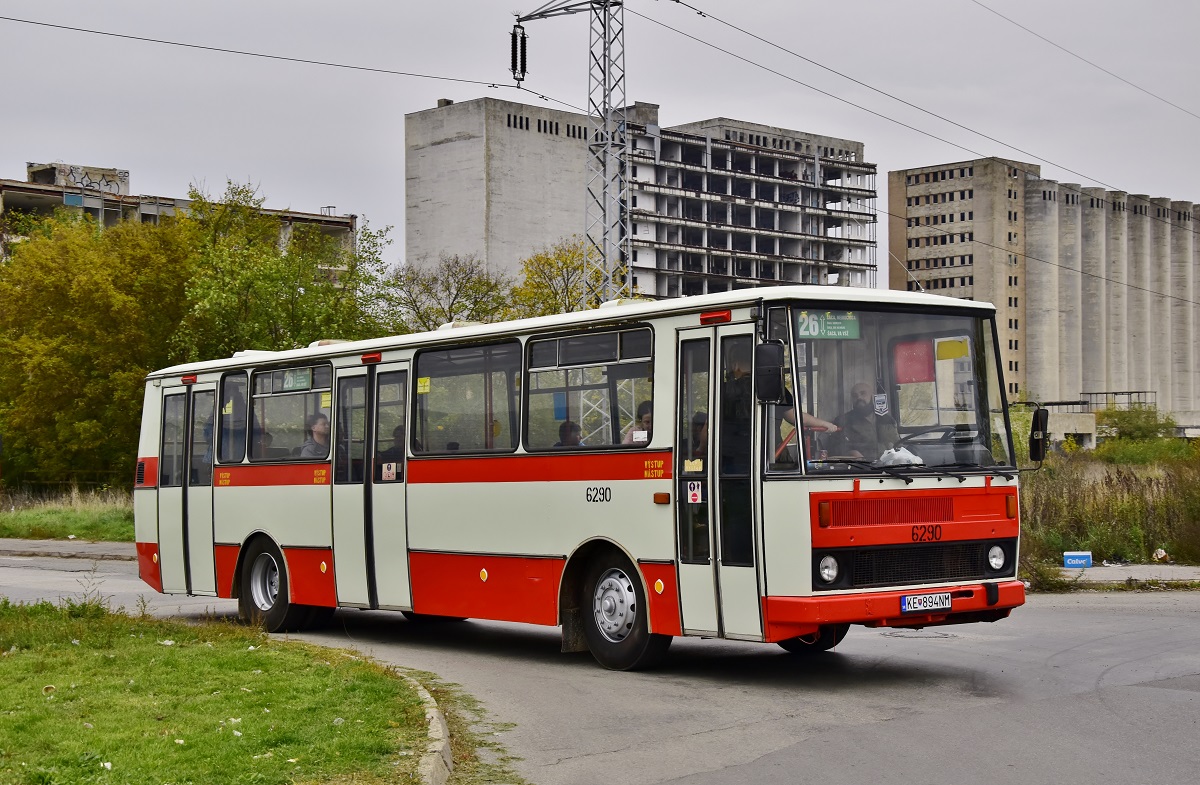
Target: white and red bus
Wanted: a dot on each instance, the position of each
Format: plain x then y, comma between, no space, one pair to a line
631,473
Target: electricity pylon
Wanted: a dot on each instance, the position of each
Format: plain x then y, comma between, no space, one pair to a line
606,211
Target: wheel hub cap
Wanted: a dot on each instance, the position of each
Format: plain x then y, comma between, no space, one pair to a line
614,605
264,582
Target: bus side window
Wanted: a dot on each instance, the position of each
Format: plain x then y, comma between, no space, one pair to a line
466,399
174,433
231,437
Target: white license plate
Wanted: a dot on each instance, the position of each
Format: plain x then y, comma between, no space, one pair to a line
923,603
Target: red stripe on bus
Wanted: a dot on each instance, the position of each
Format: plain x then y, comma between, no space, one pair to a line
503,588
271,474
787,617
310,576
226,557
543,468
663,598
149,468
148,571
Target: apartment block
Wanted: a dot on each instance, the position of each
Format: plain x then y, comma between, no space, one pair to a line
713,205
1096,290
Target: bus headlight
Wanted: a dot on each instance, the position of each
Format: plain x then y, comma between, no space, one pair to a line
996,557
828,569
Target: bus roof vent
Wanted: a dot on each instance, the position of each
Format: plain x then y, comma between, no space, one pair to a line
625,301
252,353
458,323
326,342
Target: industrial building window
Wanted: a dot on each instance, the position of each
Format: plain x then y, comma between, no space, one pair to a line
633,201
970,171
971,280
633,171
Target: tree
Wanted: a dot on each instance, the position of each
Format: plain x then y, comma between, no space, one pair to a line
252,291
1137,422
424,296
552,280
84,315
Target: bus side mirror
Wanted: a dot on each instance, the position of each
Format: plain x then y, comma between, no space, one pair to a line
1039,437
768,372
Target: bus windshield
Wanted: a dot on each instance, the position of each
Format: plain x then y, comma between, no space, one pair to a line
905,389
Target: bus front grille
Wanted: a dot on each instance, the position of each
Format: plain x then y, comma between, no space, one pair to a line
906,565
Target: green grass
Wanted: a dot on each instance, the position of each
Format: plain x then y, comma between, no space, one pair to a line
94,696
104,515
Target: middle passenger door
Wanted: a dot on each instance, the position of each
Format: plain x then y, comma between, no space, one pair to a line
370,539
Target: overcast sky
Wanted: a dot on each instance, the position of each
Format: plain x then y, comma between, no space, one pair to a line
311,136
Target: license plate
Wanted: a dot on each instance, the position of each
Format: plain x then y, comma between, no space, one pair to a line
924,603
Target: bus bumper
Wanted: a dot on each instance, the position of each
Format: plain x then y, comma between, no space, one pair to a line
788,617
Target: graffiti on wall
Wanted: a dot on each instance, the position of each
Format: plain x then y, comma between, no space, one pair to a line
112,181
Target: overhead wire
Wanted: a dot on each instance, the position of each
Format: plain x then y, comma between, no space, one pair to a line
285,58
981,155
925,133
1118,77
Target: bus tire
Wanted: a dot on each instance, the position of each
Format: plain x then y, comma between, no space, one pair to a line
263,598
616,617
824,639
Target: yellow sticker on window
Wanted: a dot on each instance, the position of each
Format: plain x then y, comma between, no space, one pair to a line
326,400
423,385
228,408
952,349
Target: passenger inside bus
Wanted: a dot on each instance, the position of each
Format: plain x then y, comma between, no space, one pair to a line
638,431
699,435
867,429
316,437
569,435
395,453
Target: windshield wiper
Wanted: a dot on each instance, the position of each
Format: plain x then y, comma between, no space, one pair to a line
888,470
939,469
1008,475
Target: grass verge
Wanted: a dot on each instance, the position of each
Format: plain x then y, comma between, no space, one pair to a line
91,695
105,515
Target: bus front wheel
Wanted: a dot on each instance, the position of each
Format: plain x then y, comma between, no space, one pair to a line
263,598
824,639
616,616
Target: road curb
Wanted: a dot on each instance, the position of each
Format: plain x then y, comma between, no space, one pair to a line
67,554
436,763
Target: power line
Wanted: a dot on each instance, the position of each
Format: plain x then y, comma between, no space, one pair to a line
890,119
1084,59
918,130
284,58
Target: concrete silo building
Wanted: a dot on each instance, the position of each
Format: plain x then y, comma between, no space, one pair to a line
1097,290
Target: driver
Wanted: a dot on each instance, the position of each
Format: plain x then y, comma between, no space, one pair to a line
866,430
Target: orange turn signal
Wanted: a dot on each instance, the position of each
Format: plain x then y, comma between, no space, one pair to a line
824,514
1010,505
662,498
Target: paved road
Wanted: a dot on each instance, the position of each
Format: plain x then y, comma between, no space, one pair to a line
1081,688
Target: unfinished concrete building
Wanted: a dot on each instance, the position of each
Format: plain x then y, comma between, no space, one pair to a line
104,194
714,205
1097,290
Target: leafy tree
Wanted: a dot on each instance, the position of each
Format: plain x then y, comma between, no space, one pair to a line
84,316
552,280
1136,422
423,296
253,291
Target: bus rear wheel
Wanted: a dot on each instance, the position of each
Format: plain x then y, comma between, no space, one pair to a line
824,639
263,598
616,618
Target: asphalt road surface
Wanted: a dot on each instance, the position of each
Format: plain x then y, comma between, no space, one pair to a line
1080,688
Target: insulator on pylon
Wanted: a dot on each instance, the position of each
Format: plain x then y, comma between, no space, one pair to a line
518,53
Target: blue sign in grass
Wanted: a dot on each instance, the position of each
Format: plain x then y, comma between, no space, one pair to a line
1077,559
